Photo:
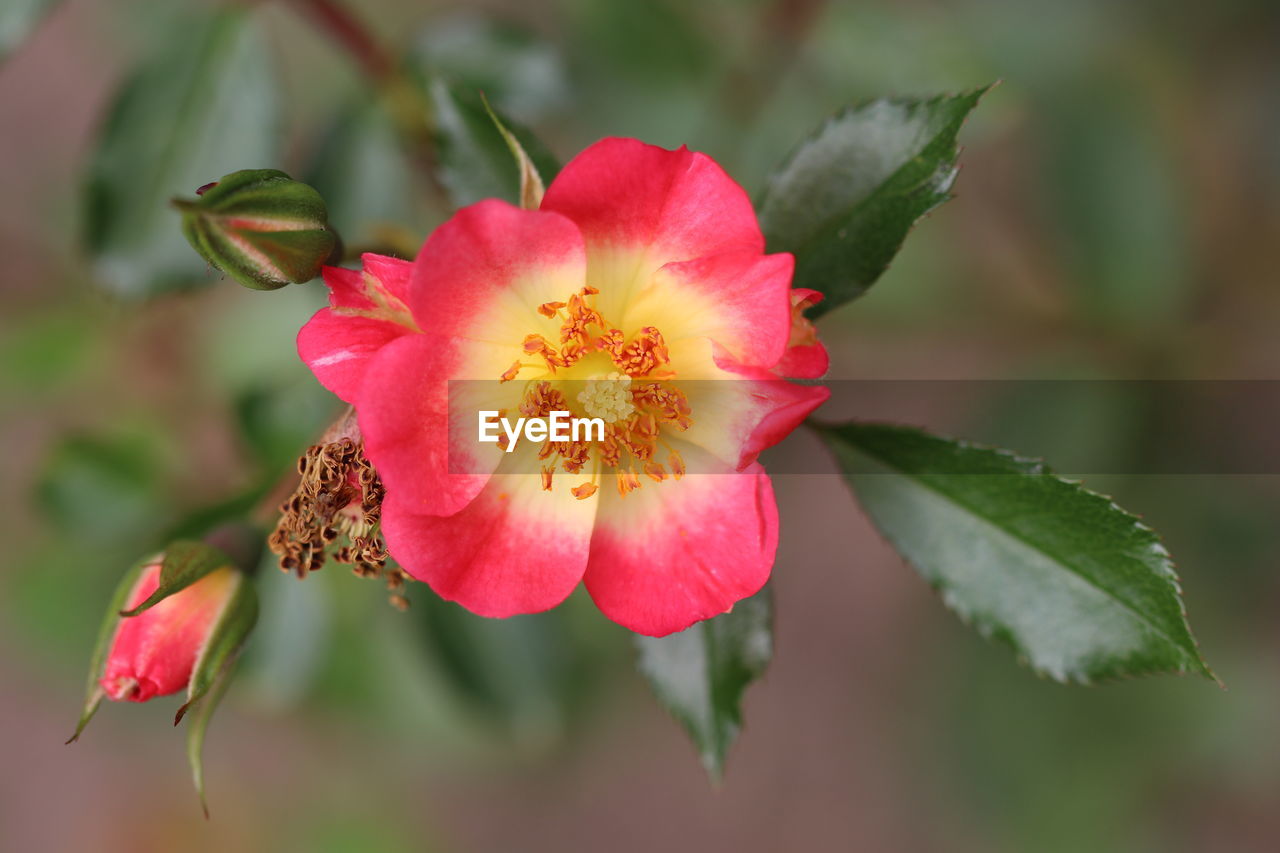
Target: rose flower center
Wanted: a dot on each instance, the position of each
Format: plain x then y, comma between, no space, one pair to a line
624,381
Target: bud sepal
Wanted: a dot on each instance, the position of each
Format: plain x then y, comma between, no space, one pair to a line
94,693
531,187
260,227
176,621
212,673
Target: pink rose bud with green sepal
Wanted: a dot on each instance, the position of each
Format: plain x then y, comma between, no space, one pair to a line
154,653
176,622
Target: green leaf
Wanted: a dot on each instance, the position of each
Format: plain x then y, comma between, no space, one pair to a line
45,350
203,106
260,227
104,487
658,44
519,71
106,634
519,676
845,199
185,562
279,420
701,673
1079,588
368,182
204,519
476,161
18,18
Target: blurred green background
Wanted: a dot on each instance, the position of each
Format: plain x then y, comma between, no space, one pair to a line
1117,217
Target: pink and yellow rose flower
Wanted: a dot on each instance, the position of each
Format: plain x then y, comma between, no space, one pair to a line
639,292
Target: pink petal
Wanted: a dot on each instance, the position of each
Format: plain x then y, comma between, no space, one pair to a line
428,464
484,273
394,274
366,312
153,653
338,349
739,410
626,194
806,357
475,290
740,300
805,362
673,553
514,549
781,406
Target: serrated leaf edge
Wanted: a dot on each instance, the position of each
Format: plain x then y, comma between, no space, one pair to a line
1038,467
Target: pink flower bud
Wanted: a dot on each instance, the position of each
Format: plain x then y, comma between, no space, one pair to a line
154,653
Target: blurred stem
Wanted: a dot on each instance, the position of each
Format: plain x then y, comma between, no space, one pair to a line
781,28
404,100
344,28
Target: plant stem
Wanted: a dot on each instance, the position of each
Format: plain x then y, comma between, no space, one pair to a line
409,108
344,28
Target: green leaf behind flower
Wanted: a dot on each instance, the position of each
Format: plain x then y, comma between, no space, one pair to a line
845,199
701,673
523,677
202,106
367,178
1079,588
104,487
475,157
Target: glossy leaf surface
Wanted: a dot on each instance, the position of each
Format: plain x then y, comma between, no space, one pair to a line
204,105
1080,589
847,196
701,673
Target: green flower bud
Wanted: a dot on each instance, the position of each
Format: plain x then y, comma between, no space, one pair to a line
260,227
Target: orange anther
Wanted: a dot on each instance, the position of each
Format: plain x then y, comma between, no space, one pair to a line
676,461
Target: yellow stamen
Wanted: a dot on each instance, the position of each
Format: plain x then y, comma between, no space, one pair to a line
655,471
635,412
511,371
676,461
628,481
